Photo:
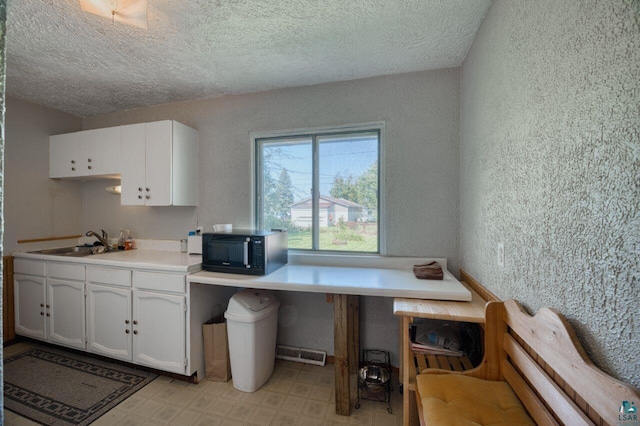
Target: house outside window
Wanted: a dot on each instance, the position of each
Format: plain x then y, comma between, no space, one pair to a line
323,186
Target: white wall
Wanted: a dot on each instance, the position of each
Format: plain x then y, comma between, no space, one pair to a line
550,166
421,112
422,171
36,206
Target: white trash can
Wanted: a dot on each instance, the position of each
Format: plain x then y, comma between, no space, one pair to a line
252,325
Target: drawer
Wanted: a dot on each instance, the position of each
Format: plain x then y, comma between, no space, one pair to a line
67,271
159,281
29,267
113,276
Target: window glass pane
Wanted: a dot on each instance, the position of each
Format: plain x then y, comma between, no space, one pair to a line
343,180
348,207
286,189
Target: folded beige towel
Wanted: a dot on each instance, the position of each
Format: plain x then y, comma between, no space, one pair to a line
429,271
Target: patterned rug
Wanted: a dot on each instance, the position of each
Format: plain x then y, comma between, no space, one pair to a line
55,387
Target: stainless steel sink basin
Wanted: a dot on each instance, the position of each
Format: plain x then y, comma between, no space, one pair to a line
75,251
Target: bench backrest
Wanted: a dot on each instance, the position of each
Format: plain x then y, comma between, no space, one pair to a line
543,361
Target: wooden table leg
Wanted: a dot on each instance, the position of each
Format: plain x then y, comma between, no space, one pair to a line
353,339
341,353
407,365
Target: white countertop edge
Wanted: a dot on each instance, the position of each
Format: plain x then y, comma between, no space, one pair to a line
135,259
343,280
391,293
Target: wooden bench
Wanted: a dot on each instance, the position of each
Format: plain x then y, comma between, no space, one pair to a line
536,361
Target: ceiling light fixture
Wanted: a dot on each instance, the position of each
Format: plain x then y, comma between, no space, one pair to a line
130,12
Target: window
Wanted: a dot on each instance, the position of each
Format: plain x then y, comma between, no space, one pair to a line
323,187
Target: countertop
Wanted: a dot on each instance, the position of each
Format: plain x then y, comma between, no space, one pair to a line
386,277
158,260
363,281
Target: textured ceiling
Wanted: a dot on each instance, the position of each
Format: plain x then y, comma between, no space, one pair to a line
63,58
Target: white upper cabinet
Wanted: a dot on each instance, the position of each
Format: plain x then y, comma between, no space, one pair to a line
85,154
159,164
64,155
103,151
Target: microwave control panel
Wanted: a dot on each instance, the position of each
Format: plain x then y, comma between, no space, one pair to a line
257,260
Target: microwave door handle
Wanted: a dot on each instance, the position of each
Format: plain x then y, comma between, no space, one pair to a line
246,253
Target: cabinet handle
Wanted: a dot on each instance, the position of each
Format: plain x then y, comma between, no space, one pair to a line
41,313
89,167
47,306
140,189
147,189
135,321
42,305
126,321
126,331
73,161
135,331
139,197
148,196
73,169
48,314
89,160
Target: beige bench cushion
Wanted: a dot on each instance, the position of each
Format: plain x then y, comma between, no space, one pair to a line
452,399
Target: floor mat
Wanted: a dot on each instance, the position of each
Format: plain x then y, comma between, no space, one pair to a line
56,387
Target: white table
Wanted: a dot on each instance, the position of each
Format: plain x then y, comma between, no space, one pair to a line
395,279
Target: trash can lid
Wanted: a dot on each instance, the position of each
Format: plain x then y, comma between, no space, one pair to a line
254,300
250,305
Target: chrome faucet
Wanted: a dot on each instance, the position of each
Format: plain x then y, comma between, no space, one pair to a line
104,239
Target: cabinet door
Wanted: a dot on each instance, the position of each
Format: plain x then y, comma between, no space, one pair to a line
185,166
103,151
29,300
159,163
66,310
109,321
159,329
133,164
65,155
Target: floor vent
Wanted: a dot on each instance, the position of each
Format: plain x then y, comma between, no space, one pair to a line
308,356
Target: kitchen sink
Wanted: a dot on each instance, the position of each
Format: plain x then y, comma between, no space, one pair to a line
75,251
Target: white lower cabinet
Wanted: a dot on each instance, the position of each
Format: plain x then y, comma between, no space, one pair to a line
66,312
140,326
50,306
109,321
159,330
30,294
147,317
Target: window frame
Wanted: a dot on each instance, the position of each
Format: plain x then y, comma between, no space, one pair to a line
311,133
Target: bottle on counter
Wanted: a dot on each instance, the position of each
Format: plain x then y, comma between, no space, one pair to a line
121,240
128,240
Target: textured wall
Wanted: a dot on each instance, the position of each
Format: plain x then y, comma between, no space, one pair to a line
3,18
421,137
37,206
421,111
550,166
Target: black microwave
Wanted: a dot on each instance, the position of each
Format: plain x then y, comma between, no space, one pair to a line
248,252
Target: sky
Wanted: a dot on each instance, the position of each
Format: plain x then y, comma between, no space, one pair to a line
338,155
